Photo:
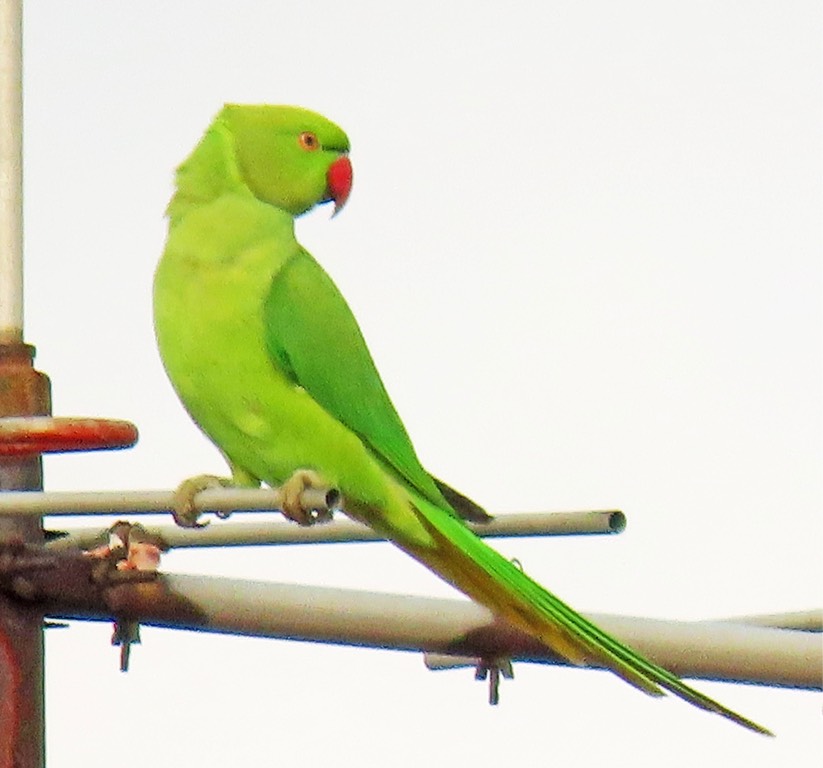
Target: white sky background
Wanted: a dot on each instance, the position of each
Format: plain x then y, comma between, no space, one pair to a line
584,247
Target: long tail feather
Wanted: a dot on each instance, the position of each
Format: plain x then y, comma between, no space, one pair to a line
485,575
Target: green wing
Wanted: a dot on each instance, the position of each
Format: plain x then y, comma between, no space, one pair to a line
312,336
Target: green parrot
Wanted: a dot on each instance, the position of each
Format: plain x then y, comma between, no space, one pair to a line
269,361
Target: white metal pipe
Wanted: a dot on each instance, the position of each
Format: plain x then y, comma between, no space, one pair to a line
806,621
229,500
346,531
11,172
342,530
218,500
234,500
713,650
706,650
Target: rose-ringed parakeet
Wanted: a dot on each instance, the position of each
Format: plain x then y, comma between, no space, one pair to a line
269,361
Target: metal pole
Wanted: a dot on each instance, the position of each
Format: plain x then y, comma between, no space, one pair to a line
228,534
23,392
804,621
452,632
225,501
11,172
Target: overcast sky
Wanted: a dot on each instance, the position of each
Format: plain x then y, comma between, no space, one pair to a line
584,246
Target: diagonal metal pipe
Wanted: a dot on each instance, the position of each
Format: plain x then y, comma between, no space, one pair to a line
714,650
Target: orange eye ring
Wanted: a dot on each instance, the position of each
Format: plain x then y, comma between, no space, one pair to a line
308,141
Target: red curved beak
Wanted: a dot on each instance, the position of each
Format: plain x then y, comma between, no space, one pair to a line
338,180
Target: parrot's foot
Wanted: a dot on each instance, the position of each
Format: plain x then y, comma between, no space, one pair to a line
184,511
297,503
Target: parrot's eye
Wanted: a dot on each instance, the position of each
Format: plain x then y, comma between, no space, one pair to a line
308,141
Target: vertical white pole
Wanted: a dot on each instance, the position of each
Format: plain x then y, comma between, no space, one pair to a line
11,171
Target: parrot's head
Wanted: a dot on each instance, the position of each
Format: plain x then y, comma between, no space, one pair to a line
289,157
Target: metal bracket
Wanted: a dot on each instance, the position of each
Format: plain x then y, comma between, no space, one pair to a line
130,554
493,669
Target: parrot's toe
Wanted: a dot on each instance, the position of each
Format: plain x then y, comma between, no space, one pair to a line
184,511
296,503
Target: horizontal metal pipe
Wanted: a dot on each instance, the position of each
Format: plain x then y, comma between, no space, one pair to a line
806,621
241,500
219,500
715,650
225,534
